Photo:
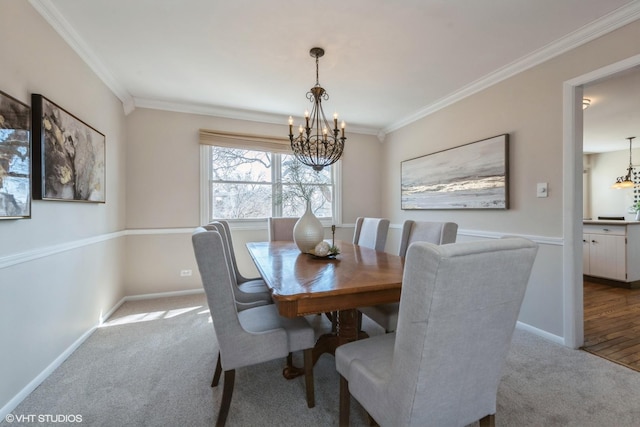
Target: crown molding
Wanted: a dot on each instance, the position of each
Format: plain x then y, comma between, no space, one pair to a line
600,27
229,113
614,20
50,13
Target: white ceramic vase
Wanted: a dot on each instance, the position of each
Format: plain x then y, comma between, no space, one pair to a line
638,215
308,231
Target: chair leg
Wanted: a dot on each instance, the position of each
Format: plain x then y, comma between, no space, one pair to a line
216,374
227,393
308,377
345,402
488,421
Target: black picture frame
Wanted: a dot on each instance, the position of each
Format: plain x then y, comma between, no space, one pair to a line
69,156
15,158
470,176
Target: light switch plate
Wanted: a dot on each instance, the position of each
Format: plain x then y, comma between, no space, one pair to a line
543,190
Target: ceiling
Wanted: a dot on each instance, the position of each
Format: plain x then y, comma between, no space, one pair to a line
614,113
386,63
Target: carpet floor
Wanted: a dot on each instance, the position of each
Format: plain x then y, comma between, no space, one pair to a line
151,364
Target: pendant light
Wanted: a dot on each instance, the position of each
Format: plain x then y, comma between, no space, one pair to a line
627,180
317,144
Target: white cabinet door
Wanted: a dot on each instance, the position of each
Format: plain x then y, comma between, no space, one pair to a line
607,256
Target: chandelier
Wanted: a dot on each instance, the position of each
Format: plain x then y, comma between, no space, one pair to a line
626,181
317,144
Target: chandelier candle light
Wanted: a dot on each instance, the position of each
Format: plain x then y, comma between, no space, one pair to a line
626,181
317,144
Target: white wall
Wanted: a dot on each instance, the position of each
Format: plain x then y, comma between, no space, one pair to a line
61,270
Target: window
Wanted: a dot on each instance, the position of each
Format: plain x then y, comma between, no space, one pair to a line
241,185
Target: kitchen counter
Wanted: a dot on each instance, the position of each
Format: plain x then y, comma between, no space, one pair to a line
609,222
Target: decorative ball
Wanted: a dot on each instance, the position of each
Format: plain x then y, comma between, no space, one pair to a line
322,249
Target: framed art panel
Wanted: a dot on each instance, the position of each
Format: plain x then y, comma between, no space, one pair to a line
68,155
471,176
15,158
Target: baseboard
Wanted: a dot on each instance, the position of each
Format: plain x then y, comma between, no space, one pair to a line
543,334
162,295
610,282
15,401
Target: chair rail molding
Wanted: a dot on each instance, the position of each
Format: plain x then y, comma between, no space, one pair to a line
33,254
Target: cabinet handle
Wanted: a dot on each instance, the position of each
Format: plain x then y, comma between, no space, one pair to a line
593,241
605,229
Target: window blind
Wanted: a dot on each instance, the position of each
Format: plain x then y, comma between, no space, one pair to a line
245,141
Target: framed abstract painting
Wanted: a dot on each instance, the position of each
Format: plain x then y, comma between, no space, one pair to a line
15,158
68,155
471,176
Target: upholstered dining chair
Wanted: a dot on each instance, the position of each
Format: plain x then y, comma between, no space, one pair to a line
281,228
442,366
371,233
251,336
439,233
248,292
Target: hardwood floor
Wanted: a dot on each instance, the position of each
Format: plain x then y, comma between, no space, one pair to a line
612,323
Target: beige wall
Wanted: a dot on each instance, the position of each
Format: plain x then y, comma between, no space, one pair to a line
62,269
163,192
529,107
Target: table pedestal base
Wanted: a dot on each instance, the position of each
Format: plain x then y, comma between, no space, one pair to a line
346,331
290,371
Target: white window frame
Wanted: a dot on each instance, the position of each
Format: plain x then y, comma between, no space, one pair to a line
260,223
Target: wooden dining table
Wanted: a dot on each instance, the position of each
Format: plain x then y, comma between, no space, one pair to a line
302,284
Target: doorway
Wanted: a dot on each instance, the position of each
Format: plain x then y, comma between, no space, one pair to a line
611,323
573,198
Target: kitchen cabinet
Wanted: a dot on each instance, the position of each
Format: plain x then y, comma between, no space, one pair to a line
611,250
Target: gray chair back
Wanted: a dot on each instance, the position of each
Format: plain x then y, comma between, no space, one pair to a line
281,229
248,293
232,253
371,233
438,233
458,310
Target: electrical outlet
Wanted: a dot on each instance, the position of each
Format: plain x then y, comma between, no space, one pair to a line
542,190
185,273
